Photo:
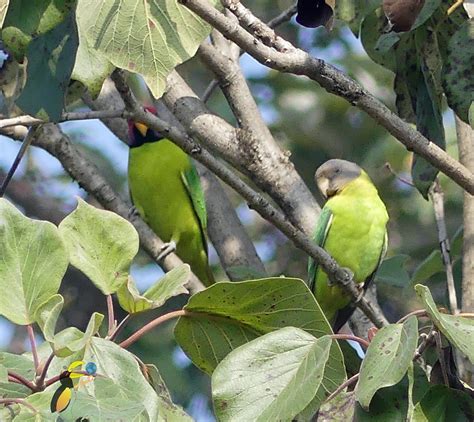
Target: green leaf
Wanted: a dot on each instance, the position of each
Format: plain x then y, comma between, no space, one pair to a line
392,271
72,340
172,284
442,403
426,12
122,368
273,377
387,359
3,11
458,330
227,315
353,11
3,374
150,38
101,244
18,364
47,316
91,67
458,77
33,263
26,19
169,411
433,264
51,58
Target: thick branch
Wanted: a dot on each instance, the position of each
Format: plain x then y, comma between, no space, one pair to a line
256,201
268,167
465,135
279,54
87,175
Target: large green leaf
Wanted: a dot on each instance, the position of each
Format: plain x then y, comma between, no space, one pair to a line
101,244
273,377
122,368
33,263
26,19
150,38
393,272
458,76
458,330
387,359
172,284
51,58
227,315
3,11
442,403
20,365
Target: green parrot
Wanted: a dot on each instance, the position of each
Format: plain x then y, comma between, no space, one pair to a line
166,191
352,229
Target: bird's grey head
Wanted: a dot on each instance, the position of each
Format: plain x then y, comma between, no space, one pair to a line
332,176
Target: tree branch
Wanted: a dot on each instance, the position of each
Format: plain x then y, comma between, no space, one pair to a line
267,166
273,51
87,175
256,201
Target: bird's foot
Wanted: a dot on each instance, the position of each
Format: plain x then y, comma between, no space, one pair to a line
360,288
166,249
133,212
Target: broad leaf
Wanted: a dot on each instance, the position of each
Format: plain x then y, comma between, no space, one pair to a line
392,271
172,284
227,315
3,11
26,19
47,316
387,359
101,244
20,365
51,57
71,340
122,368
432,265
442,403
33,264
150,38
458,330
273,377
458,75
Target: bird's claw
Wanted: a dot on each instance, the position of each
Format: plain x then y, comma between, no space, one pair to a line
166,249
361,289
133,212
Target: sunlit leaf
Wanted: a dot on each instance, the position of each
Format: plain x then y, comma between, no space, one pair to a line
101,244
273,377
33,263
458,330
387,359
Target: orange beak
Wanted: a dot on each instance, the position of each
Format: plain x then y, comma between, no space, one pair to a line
142,128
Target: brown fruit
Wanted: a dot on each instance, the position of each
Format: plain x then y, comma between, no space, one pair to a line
402,13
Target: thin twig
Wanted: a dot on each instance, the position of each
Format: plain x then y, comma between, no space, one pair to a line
347,383
442,362
417,313
437,198
69,116
359,340
152,324
34,351
119,327
18,401
388,166
110,313
270,50
24,146
40,381
22,380
283,17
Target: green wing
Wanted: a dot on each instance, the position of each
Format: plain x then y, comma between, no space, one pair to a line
319,238
371,277
192,182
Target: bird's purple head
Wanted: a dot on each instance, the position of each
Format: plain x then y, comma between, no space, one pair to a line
139,133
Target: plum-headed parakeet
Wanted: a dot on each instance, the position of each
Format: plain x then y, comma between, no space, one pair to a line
351,228
166,191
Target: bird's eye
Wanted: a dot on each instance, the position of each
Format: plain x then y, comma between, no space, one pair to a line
338,170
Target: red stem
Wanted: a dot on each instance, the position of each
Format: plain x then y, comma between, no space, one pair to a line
34,352
359,340
18,401
135,336
14,377
40,381
347,383
119,327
